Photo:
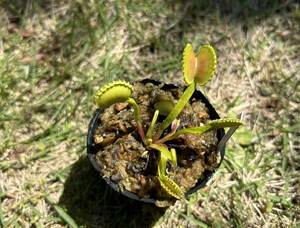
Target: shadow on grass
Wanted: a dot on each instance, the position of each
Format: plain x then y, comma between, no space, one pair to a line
90,202
19,10
239,11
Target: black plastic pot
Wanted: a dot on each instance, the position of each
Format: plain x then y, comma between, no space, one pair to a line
92,147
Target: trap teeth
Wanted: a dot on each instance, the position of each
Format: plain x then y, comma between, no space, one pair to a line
117,91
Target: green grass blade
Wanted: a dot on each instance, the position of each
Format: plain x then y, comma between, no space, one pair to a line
62,214
67,218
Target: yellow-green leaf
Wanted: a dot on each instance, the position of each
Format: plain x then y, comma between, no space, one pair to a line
189,64
171,187
199,67
206,64
222,123
243,136
164,107
211,125
117,91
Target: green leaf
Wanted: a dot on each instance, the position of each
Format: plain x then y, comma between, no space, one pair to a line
117,91
171,187
212,125
174,156
136,108
151,127
137,117
184,99
193,130
206,64
164,152
164,107
189,65
243,136
222,123
199,67
166,183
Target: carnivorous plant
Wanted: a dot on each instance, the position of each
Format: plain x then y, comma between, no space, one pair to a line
198,68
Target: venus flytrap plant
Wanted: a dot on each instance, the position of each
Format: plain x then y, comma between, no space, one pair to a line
197,70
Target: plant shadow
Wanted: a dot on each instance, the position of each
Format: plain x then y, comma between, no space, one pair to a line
92,203
236,11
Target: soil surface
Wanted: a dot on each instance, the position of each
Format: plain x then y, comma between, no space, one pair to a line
124,159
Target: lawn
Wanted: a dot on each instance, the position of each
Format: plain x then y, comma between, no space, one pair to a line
54,55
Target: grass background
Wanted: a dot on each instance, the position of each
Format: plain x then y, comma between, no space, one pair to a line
55,54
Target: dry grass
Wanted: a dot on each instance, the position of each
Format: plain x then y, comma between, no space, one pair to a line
55,54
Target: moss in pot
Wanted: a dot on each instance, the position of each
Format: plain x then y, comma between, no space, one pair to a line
157,142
